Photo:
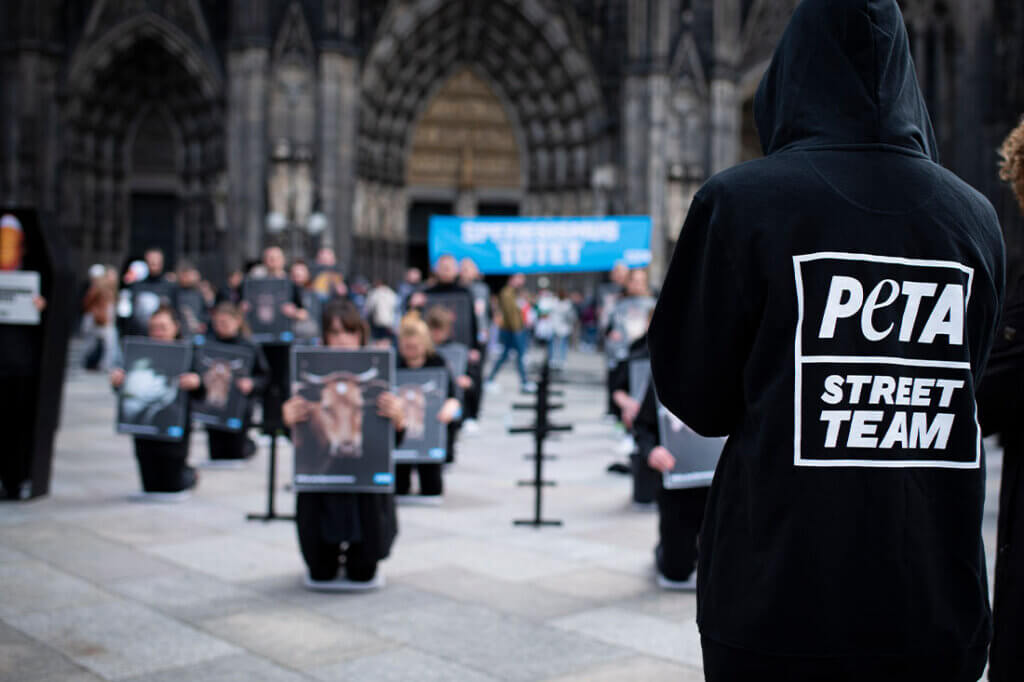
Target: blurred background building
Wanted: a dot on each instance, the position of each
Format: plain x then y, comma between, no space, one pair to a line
208,127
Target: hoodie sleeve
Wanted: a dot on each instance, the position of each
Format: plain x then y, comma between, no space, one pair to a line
645,426
701,330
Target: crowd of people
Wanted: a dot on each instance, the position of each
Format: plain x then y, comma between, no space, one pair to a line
339,530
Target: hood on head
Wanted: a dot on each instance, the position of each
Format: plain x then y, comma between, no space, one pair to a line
842,74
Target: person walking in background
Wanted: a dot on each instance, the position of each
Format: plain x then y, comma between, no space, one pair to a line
512,333
98,306
563,323
811,292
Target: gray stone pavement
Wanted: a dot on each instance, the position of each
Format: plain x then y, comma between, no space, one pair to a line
94,586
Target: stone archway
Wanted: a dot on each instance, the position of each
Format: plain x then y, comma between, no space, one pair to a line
144,118
530,54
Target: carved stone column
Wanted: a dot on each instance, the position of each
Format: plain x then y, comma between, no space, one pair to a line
339,110
247,151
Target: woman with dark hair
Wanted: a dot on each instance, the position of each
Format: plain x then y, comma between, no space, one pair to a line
228,325
355,528
163,464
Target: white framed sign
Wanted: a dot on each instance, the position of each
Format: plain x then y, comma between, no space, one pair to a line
17,295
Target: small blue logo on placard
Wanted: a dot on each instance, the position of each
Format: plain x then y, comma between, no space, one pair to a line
436,453
234,423
175,431
199,339
383,479
287,336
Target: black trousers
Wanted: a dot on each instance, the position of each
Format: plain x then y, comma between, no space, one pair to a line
18,400
646,481
680,515
278,389
729,664
162,466
430,475
473,397
323,559
226,444
1006,656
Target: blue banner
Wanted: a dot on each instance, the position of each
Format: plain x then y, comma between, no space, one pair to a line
503,245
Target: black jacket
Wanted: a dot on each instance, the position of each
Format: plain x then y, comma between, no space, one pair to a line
839,523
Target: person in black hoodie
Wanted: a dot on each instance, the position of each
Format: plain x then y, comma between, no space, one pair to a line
163,465
646,479
830,308
228,323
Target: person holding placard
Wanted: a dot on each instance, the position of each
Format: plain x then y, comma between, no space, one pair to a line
228,324
163,464
357,528
680,512
19,363
416,350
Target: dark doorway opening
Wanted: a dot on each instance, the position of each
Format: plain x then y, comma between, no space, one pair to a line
417,249
154,224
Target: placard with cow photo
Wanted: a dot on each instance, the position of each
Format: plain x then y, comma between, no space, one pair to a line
220,366
423,393
696,456
150,403
456,357
461,308
343,445
639,378
265,298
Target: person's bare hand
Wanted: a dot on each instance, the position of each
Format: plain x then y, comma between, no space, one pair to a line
189,381
464,382
39,302
390,406
661,459
474,356
116,377
244,385
289,310
630,410
417,300
294,410
448,411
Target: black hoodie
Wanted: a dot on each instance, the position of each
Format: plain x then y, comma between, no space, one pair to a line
814,313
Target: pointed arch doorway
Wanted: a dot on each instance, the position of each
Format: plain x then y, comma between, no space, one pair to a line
464,158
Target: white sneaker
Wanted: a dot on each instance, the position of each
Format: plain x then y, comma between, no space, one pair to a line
492,387
626,445
470,426
529,387
688,585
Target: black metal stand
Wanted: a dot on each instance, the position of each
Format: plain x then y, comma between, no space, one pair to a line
540,430
270,514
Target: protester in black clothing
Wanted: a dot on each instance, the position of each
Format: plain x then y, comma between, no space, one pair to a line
646,480
809,292
1000,399
470,277
277,353
163,465
228,324
680,512
189,301
439,321
20,358
356,528
416,350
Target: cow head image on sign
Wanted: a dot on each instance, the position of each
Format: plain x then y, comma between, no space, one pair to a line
265,305
414,404
218,376
336,421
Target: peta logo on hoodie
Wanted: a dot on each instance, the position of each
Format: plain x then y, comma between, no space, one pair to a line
883,377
